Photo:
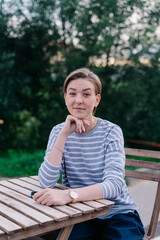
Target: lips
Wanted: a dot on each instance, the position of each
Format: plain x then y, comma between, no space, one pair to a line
78,108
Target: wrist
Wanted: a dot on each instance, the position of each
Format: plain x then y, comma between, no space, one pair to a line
63,134
73,195
68,198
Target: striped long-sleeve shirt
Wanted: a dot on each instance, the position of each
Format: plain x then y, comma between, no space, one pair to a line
90,158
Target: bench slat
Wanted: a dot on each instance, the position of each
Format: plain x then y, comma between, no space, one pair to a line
142,153
143,164
142,175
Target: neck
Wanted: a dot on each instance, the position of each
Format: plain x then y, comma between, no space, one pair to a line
93,123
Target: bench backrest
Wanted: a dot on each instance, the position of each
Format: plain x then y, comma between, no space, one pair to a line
152,173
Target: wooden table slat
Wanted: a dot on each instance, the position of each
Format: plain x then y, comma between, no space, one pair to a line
1,232
106,202
51,212
16,217
8,226
25,184
21,217
82,207
31,181
58,185
26,210
34,177
17,188
72,212
96,205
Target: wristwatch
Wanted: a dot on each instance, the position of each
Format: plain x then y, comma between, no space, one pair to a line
73,195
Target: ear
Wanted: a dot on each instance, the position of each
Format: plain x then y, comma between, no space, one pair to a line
65,98
98,99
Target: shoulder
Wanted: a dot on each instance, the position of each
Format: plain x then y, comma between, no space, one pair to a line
56,129
110,129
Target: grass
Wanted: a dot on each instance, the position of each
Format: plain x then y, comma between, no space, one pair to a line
20,163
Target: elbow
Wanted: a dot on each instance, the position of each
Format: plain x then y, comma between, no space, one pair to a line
112,189
45,182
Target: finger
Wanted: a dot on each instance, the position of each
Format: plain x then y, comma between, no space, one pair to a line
86,122
83,127
39,194
80,126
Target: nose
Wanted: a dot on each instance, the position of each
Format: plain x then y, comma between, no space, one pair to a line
78,99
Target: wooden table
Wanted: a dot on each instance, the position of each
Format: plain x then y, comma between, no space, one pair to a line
21,217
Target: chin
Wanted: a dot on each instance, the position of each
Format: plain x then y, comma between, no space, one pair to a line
79,116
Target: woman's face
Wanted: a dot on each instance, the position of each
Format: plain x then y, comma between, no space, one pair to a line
81,99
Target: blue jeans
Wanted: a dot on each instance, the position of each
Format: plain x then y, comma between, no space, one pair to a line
119,227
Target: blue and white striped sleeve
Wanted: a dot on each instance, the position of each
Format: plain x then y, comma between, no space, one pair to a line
113,174
48,174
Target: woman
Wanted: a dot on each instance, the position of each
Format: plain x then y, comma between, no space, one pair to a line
90,152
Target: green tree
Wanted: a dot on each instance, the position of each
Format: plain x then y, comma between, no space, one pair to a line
42,41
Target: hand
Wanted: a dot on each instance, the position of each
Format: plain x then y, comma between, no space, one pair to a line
51,197
73,124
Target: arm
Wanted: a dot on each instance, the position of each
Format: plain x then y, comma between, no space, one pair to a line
60,197
113,174
49,171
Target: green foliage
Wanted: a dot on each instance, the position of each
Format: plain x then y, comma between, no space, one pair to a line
20,163
42,41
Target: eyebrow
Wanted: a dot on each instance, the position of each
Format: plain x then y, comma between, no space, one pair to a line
86,89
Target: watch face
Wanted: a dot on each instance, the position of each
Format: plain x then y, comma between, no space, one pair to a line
74,195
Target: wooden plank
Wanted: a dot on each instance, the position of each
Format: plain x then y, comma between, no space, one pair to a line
142,175
82,207
25,184
143,164
8,226
96,205
1,233
49,211
26,210
16,217
58,185
31,181
15,187
34,177
155,213
106,202
64,233
58,225
142,153
72,212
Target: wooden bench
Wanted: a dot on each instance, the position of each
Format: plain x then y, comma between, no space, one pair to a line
152,173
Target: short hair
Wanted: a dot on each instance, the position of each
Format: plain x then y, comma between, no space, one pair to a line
84,73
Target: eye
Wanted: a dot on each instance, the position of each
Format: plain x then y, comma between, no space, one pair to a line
86,94
72,94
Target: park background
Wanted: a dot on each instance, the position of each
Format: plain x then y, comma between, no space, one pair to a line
41,42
